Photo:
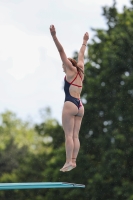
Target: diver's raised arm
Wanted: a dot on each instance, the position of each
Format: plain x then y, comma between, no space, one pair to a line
82,51
60,48
56,41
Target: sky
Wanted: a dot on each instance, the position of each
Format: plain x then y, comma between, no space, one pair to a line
31,75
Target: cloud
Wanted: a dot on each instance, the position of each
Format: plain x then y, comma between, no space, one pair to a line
23,50
30,70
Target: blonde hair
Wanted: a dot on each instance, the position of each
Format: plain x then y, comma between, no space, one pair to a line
74,63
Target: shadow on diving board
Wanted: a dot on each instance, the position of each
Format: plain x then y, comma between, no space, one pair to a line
40,185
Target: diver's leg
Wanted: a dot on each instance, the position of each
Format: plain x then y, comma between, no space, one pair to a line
68,118
77,125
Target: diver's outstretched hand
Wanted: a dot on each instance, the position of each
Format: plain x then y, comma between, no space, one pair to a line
86,36
52,30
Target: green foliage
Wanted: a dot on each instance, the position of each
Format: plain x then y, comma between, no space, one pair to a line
21,132
107,127
11,157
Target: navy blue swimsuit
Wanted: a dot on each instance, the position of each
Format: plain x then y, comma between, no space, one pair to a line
68,97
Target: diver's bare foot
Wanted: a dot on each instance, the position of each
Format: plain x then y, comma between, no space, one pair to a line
67,167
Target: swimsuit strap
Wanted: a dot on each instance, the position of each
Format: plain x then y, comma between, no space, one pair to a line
77,85
71,83
74,78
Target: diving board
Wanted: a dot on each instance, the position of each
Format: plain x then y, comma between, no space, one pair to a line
38,185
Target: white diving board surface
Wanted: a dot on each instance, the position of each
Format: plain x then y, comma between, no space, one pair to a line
38,185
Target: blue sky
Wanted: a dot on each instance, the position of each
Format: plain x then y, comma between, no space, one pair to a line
31,75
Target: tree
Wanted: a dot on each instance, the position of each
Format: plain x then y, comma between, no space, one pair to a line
107,127
19,148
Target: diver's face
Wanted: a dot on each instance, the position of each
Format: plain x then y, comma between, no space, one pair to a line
64,69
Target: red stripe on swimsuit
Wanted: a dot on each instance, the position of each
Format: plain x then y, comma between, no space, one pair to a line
71,83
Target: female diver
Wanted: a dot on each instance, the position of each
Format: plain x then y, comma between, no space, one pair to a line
73,109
